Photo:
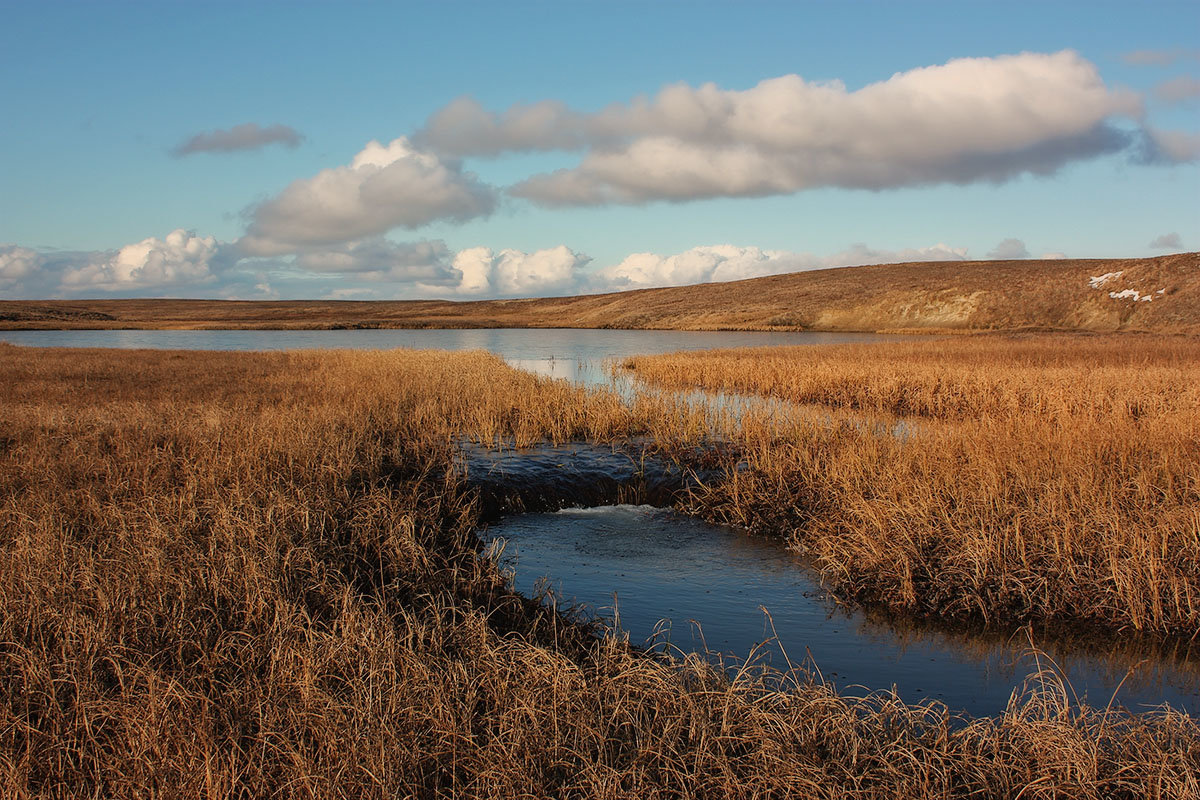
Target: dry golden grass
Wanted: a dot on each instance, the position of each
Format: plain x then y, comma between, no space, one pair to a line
1042,478
249,575
934,296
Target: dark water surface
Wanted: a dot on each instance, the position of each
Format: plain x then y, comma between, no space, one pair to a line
662,566
708,582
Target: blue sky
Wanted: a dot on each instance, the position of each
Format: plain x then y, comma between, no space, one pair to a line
101,97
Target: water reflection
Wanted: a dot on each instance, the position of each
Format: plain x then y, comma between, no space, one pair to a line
575,354
642,565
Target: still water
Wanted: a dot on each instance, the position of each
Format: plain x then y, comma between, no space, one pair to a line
569,353
710,582
682,584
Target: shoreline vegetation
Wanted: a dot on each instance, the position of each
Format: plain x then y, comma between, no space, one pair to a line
1159,295
1041,478
253,574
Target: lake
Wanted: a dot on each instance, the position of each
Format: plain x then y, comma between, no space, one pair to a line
569,353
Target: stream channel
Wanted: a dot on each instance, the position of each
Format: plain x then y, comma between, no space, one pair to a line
586,526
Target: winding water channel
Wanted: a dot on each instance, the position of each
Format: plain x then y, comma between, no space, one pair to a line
680,584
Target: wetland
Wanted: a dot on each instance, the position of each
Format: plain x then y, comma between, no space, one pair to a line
409,504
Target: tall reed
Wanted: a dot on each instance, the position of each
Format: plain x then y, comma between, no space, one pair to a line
1032,478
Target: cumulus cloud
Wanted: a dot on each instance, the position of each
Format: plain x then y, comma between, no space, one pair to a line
179,262
429,269
513,273
380,259
1009,249
18,264
185,264
1178,89
1168,241
465,128
726,262
182,258
248,136
385,186
1158,58
967,120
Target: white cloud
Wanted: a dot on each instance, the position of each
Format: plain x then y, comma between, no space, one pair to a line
725,262
181,259
1009,249
464,127
383,187
513,273
248,136
239,285
967,120
1167,241
698,265
381,260
1053,256
17,263
351,294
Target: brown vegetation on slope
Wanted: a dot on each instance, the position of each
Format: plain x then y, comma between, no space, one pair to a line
1040,477
969,295
234,574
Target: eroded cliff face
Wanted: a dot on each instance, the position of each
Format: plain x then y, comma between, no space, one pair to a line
946,308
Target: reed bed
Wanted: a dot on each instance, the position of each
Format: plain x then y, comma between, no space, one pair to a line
256,575
1057,377
1036,478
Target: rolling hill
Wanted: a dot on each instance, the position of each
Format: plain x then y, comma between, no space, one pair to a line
1139,294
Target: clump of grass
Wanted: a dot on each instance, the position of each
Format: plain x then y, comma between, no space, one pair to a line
1040,478
254,575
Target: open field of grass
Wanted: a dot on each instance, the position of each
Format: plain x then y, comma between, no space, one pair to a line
236,574
1042,478
960,295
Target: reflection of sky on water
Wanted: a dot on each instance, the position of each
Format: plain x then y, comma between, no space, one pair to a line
663,566
561,368
528,345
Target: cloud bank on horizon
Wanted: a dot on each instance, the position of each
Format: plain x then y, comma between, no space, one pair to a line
967,121
183,261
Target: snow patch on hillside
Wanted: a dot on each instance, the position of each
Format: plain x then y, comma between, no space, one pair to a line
1131,293
1099,281
1096,281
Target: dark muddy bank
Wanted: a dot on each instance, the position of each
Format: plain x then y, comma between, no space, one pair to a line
574,475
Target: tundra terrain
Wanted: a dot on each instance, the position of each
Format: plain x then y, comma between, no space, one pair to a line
1159,295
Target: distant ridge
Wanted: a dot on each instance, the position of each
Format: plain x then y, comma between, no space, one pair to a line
1124,294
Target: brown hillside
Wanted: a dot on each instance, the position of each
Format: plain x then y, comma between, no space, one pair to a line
960,295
